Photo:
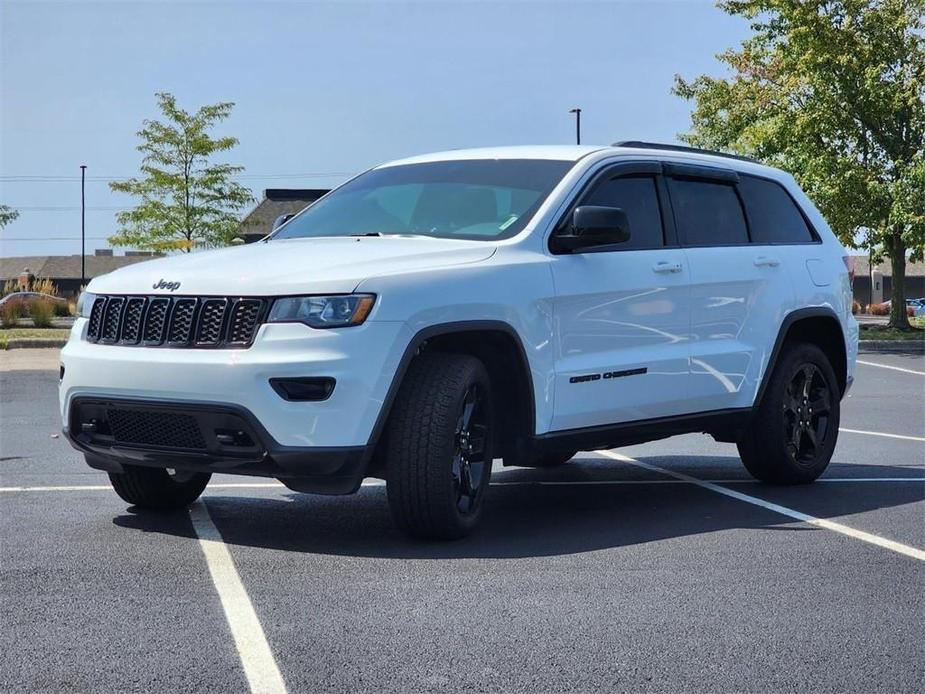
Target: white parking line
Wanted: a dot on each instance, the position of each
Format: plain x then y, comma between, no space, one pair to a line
904,437
892,545
892,368
260,667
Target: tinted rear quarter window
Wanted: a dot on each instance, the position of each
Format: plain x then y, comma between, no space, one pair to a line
638,197
708,213
772,213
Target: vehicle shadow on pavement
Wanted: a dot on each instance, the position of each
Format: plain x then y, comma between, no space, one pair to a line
531,520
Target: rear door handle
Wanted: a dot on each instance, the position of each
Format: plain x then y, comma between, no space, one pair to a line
666,267
766,261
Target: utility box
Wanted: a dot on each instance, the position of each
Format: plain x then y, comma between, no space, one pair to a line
876,287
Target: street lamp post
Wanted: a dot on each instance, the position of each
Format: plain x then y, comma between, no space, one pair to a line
83,266
577,112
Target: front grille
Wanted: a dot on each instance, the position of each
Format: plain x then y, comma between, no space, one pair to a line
181,321
155,428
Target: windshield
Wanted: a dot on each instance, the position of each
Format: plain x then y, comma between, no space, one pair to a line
485,199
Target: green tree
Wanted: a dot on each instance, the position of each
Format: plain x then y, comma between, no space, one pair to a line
7,215
833,91
187,200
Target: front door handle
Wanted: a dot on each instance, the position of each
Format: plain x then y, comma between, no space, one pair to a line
666,267
766,261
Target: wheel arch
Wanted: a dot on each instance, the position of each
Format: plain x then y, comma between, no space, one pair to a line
819,326
498,346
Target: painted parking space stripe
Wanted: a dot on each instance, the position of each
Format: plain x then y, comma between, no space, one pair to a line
870,538
903,437
511,483
891,368
260,668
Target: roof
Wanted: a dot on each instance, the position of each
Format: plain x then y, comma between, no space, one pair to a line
57,267
576,152
862,267
551,152
276,202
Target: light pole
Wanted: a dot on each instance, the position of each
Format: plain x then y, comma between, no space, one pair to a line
577,112
83,267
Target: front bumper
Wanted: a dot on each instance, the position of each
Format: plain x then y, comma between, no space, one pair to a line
305,441
204,437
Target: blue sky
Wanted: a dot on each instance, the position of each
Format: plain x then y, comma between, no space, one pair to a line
327,88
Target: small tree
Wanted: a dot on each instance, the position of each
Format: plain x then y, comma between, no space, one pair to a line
833,91
187,200
7,215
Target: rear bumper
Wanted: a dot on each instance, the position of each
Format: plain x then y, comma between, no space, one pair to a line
204,437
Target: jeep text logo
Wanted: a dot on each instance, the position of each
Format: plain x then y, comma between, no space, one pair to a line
169,286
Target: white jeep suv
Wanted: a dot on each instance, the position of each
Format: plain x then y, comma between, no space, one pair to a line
437,313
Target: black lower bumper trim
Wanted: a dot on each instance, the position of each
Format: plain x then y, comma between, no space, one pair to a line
215,438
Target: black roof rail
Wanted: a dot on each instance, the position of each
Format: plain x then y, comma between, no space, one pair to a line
639,144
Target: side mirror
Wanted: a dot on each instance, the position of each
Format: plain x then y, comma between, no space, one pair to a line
594,225
282,219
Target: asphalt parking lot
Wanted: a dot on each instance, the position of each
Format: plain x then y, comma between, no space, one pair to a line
621,573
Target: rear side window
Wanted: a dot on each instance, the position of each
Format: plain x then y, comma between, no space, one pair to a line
773,214
638,197
708,213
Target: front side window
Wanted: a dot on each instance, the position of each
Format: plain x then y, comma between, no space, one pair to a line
708,213
773,215
638,197
483,199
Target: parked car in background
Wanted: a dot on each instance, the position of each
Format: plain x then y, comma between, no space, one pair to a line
917,305
26,297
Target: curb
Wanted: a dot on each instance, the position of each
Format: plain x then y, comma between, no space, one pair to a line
892,346
31,342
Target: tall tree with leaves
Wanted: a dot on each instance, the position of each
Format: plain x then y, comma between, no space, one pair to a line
833,91
7,215
187,199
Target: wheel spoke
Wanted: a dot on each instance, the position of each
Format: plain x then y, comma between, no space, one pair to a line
465,419
811,437
820,404
796,436
808,372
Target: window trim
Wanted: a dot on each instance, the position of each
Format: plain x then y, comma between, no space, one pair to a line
610,171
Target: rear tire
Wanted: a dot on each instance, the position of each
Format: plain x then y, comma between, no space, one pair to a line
439,447
156,488
794,430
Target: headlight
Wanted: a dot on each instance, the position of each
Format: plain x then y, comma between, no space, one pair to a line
85,304
322,311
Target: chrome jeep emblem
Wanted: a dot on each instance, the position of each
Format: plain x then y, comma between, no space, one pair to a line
169,286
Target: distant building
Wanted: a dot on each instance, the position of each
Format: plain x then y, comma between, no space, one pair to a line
276,202
914,284
64,270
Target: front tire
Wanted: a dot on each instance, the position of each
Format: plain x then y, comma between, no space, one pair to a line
439,448
795,428
156,488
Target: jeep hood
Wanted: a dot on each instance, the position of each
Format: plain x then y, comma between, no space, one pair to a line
292,266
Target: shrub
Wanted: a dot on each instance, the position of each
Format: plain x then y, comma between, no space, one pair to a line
855,307
9,287
884,310
44,286
41,311
62,308
9,312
